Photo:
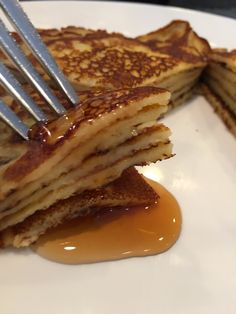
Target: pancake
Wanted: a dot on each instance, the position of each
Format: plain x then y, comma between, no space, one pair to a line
130,189
86,149
220,78
172,57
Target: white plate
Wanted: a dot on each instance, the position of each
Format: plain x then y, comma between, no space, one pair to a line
198,275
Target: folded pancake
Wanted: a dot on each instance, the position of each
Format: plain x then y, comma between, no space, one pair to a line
129,189
220,89
86,149
178,40
172,57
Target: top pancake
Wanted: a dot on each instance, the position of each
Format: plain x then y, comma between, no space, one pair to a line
97,59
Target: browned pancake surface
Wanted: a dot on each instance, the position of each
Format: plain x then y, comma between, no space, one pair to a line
46,140
178,40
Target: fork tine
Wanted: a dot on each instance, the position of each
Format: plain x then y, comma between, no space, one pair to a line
12,50
23,25
8,81
7,115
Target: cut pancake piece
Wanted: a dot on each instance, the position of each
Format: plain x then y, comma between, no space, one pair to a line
47,196
220,78
130,189
85,150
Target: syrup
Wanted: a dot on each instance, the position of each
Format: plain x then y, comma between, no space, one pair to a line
115,233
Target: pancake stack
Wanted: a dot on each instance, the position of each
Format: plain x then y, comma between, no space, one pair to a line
89,147
220,85
172,57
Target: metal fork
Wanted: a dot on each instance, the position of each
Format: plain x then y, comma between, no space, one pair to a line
24,27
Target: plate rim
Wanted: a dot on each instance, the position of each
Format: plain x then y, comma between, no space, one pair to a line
169,7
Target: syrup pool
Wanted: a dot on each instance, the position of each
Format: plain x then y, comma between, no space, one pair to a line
115,233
